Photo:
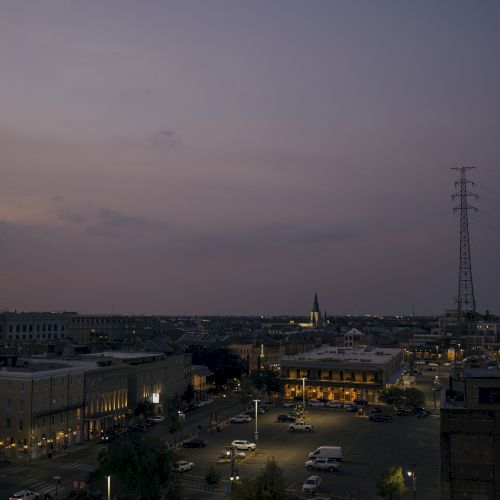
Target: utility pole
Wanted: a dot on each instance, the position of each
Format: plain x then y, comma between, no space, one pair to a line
466,303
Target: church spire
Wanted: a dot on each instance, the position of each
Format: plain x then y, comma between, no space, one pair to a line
315,313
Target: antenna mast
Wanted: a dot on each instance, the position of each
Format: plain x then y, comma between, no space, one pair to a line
466,303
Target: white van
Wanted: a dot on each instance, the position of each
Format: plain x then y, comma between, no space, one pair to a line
327,452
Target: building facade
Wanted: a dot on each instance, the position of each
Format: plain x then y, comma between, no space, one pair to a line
340,374
41,407
33,328
470,436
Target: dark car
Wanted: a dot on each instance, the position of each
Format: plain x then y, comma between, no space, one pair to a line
195,443
360,402
376,409
422,413
108,437
402,412
285,418
380,417
416,411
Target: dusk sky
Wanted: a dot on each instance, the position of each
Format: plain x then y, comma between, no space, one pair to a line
232,157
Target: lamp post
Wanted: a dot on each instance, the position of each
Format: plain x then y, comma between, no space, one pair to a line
256,401
304,393
57,479
109,487
412,473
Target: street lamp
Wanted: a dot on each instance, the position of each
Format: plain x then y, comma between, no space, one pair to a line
57,479
109,487
256,401
304,393
413,474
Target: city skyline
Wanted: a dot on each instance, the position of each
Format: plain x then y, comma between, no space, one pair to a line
234,157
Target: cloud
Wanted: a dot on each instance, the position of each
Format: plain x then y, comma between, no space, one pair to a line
114,219
166,139
66,213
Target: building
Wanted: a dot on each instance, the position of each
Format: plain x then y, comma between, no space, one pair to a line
340,374
47,406
355,337
199,374
17,329
152,376
41,405
470,436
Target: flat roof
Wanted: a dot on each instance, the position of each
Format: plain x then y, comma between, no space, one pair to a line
361,354
482,371
124,354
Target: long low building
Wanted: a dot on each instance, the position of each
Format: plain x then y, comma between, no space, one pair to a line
50,405
340,374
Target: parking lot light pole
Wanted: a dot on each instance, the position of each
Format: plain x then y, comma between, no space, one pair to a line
304,393
109,487
57,479
256,401
412,473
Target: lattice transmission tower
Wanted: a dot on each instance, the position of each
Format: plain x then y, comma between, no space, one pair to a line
466,303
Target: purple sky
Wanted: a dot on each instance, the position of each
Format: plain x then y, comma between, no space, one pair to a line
230,157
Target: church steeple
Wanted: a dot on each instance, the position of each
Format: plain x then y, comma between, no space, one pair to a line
315,313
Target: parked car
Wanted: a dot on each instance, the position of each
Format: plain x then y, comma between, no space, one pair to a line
330,464
311,484
376,409
240,444
158,418
402,412
107,438
183,466
285,418
380,417
334,404
423,413
315,403
24,495
360,402
352,408
300,426
241,419
195,443
288,404
418,410
267,404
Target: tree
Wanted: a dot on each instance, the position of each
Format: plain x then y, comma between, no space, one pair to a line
144,408
213,476
247,389
268,485
391,484
188,394
393,396
414,397
223,362
267,380
140,468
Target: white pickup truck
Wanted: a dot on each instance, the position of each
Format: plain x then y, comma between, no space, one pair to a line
300,426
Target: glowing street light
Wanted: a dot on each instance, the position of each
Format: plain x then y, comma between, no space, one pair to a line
256,401
109,487
304,393
413,474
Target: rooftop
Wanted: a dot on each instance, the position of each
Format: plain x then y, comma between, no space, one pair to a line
482,371
360,354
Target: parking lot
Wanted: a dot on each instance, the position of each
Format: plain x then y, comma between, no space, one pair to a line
368,447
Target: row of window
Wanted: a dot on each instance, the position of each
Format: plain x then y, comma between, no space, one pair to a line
43,335
41,422
44,327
